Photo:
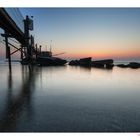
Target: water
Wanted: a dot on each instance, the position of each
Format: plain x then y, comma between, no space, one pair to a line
69,99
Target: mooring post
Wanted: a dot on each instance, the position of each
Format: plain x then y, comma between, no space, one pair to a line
21,52
32,46
8,55
36,50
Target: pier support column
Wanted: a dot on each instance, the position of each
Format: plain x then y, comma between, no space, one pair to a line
21,53
28,25
8,55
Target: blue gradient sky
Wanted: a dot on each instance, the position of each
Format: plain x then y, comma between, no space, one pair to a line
81,32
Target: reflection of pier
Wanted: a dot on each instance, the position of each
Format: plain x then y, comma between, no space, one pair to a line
19,104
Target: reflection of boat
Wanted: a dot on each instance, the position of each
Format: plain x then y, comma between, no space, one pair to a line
45,58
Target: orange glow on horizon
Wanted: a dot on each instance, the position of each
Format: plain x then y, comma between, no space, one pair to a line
104,54
101,50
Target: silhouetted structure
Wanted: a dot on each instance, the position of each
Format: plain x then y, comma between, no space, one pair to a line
13,30
45,58
81,62
106,63
133,65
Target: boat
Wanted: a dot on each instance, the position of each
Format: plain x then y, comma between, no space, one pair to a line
82,62
85,61
133,65
45,58
107,63
50,61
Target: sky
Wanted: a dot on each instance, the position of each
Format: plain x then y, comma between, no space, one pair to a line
99,33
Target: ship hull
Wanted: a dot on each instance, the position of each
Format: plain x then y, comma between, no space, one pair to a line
50,61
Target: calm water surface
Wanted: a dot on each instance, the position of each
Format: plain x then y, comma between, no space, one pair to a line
69,99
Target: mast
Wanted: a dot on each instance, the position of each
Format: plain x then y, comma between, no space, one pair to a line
51,47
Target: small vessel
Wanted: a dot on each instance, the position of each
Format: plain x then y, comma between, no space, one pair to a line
82,62
85,61
106,63
45,58
50,61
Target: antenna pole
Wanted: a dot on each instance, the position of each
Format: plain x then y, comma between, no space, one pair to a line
51,47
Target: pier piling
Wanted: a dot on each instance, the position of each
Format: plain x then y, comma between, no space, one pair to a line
8,55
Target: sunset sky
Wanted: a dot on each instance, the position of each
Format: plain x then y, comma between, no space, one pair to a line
82,32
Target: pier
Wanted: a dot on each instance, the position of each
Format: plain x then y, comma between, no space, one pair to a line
17,27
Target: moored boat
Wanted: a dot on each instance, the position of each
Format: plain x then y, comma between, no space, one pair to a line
85,61
45,58
82,62
106,63
50,61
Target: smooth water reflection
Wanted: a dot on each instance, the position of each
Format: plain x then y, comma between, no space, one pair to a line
69,99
